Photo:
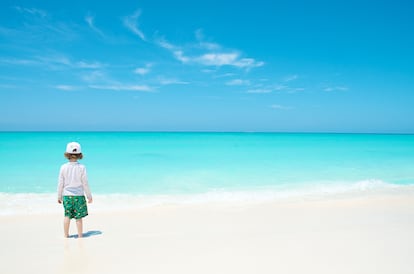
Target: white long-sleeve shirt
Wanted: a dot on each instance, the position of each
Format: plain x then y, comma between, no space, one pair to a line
73,181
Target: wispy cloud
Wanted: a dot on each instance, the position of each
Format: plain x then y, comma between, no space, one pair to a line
31,11
171,81
260,88
143,70
219,59
100,80
87,65
335,88
200,51
36,25
162,42
53,62
90,20
205,44
66,87
268,88
279,87
225,58
93,76
179,55
216,59
238,82
131,22
60,61
290,78
122,87
212,55
20,62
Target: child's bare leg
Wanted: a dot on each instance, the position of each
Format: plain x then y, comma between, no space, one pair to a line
66,223
79,225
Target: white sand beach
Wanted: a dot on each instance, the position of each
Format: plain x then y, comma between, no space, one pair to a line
348,235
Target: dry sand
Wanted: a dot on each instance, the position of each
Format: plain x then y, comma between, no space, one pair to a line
353,235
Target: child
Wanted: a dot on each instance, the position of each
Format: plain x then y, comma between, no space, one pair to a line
73,185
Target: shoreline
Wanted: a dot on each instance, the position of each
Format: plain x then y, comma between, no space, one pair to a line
350,235
46,203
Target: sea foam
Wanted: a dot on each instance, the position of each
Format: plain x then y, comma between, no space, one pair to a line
46,203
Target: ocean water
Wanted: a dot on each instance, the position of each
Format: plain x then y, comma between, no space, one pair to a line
144,169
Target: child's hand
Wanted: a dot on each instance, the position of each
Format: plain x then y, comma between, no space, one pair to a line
59,201
90,200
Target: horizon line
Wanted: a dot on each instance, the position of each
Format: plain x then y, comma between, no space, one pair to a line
209,131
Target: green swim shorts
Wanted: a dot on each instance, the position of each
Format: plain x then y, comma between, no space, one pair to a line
75,206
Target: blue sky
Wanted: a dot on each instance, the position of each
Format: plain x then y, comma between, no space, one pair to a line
296,66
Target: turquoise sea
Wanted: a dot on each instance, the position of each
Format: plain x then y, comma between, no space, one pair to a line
153,168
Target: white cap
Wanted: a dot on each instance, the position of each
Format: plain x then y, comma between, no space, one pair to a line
73,148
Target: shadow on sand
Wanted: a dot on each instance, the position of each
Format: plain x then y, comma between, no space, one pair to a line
88,234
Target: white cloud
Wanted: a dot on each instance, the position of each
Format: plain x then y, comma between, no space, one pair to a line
171,81
164,44
290,78
209,71
83,64
212,54
122,87
269,88
238,82
279,87
216,59
90,20
93,76
54,61
219,59
131,22
336,88
23,62
203,44
179,55
32,11
247,63
209,46
51,62
141,71
59,61
66,87
36,26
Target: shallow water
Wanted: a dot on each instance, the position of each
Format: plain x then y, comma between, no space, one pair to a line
206,165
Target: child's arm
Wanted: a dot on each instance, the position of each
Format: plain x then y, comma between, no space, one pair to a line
86,186
61,181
